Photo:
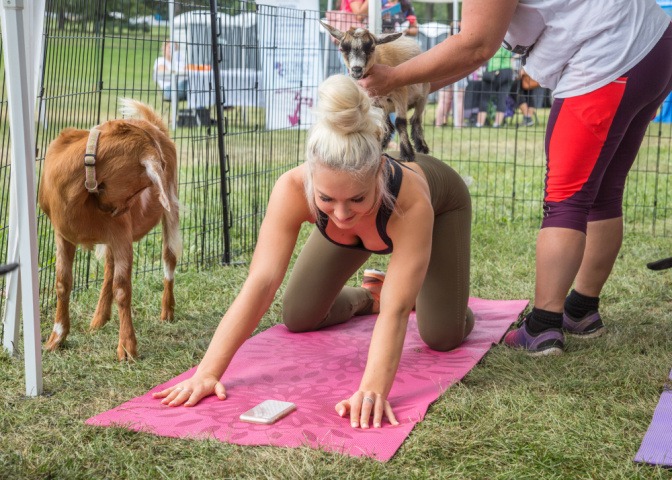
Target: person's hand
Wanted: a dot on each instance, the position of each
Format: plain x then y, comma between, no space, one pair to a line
191,391
361,405
377,80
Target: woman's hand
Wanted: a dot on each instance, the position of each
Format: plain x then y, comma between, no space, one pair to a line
362,404
191,391
378,80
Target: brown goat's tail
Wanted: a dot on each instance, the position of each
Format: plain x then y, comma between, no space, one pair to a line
130,108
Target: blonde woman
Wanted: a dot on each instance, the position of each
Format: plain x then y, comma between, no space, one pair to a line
362,202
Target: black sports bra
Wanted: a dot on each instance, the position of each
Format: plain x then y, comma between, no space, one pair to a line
383,216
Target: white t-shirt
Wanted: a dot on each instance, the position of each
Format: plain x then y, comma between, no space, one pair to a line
162,72
577,46
163,69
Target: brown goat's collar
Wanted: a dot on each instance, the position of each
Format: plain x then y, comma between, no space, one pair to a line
90,161
116,211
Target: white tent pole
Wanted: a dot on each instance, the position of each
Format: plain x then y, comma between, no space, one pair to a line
34,12
10,337
455,30
10,317
375,16
21,114
173,76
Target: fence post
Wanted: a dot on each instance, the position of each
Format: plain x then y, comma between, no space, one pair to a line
216,63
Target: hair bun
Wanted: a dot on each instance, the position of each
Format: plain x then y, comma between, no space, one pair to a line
345,108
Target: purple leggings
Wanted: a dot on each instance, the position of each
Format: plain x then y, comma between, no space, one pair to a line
592,141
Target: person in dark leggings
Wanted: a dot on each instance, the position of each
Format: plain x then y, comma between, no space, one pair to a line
497,81
324,266
608,74
361,202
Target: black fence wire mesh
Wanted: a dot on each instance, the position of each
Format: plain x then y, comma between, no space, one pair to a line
238,114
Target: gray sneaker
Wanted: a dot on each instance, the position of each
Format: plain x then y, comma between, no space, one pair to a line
589,326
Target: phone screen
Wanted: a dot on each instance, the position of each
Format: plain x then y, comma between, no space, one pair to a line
268,411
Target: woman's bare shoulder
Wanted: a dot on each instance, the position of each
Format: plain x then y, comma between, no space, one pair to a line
292,180
289,195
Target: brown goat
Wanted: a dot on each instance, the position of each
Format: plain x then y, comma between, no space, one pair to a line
135,165
361,49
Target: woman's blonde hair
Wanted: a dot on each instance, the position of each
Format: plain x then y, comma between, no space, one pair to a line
346,137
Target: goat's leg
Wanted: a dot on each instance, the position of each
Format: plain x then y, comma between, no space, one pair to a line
121,286
104,308
407,153
65,254
172,247
417,132
389,131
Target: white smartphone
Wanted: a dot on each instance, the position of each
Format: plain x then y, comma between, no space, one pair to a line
268,412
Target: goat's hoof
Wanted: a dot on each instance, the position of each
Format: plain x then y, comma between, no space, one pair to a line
97,323
127,352
167,316
423,148
55,340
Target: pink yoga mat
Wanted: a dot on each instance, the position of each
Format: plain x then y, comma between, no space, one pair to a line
315,371
656,447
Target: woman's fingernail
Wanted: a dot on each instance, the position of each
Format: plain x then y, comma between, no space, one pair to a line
377,425
365,425
354,424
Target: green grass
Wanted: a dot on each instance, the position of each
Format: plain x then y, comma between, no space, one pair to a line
581,415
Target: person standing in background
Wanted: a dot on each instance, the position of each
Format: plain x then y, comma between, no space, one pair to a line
529,98
497,81
609,74
358,7
401,21
164,66
445,103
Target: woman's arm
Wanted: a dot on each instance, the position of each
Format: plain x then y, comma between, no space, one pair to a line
483,26
361,8
287,210
411,232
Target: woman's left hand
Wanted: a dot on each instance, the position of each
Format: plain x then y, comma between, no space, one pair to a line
362,405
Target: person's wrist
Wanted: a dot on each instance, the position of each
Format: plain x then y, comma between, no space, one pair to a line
393,78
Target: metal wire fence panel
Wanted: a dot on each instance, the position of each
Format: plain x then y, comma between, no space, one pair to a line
239,112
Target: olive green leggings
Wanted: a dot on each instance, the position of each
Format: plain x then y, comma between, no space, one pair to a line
316,297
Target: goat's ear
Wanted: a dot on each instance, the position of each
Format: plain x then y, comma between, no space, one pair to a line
156,174
333,31
387,37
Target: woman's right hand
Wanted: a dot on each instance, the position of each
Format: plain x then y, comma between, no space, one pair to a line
190,392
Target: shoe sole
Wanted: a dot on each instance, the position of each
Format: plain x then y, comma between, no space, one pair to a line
586,336
545,353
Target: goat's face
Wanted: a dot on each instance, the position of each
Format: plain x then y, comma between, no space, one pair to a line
358,47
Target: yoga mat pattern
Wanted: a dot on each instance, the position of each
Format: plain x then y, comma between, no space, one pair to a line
315,370
656,447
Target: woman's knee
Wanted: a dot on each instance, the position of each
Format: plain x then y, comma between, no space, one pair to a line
442,337
297,318
443,343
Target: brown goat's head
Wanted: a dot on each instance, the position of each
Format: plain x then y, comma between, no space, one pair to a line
358,46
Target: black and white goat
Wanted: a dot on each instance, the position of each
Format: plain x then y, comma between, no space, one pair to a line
361,49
